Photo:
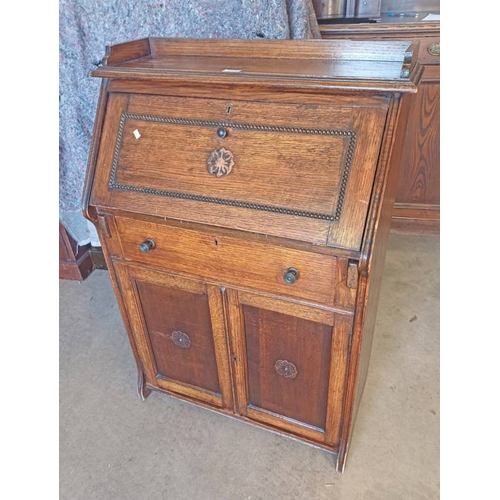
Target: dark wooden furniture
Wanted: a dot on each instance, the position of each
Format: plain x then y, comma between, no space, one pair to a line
417,203
75,262
242,191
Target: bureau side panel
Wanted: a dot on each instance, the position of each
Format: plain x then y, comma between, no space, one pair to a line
371,267
108,244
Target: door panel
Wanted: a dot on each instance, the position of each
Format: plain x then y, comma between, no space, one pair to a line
171,319
290,364
180,333
287,374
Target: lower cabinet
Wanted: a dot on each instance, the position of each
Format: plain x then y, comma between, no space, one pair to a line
276,362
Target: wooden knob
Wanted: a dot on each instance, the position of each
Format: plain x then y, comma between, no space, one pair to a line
291,276
147,245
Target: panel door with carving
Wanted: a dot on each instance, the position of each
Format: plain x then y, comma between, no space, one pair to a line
177,328
290,364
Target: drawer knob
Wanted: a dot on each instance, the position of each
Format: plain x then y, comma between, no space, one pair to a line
221,132
147,245
291,276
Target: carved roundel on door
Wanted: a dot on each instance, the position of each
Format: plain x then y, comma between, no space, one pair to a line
180,339
285,368
220,162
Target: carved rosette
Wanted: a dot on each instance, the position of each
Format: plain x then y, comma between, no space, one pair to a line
220,162
434,49
285,368
180,339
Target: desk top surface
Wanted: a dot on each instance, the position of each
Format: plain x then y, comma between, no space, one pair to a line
383,65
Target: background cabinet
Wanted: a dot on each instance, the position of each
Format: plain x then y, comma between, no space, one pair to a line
75,262
417,202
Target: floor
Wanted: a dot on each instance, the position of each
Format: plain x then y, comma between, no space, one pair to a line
115,447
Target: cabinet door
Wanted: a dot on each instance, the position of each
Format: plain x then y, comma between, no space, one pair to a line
177,325
290,364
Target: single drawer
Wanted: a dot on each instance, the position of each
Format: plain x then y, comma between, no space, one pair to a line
287,170
230,261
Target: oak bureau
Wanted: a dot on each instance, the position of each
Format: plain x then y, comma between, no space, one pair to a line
242,191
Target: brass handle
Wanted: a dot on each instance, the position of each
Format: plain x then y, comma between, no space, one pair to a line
291,276
147,245
434,49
